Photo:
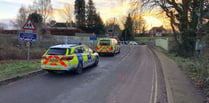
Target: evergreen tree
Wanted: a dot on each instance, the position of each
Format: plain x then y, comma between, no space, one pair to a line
91,16
36,19
99,25
128,31
80,14
94,22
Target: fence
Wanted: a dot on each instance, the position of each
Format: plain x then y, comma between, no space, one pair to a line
163,43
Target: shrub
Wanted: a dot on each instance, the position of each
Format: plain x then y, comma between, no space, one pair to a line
11,48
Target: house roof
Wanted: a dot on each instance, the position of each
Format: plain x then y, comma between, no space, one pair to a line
64,32
60,25
158,29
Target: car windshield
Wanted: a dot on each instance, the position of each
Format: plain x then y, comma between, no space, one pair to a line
105,42
57,51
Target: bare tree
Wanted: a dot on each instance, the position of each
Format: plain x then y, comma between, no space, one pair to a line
182,13
2,26
68,12
21,18
43,7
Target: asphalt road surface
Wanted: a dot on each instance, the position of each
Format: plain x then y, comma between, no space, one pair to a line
133,76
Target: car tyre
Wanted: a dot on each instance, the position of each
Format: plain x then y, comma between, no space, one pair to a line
113,54
119,51
51,71
79,69
100,54
96,61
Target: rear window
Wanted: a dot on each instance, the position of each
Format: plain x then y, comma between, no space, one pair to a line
57,51
104,42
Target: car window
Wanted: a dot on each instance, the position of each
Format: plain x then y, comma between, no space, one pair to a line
104,42
57,51
69,51
83,49
90,50
86,49
75,50
78,50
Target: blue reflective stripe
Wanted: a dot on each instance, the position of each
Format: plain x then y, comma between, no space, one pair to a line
89,56
80,57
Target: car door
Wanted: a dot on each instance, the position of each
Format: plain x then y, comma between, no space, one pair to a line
85,56
91,58
78,51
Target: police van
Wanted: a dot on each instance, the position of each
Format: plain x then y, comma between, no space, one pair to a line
68,57
108,46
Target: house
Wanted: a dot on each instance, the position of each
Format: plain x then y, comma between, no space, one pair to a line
157,31
65,33
63,29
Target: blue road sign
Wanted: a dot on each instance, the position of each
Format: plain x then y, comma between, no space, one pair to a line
27,36
93,38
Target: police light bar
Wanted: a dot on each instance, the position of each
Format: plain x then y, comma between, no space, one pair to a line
77,43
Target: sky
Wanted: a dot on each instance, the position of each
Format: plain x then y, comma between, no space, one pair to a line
108,9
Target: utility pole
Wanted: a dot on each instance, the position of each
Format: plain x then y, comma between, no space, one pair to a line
199,14
198,44
113,28
67,27
125,33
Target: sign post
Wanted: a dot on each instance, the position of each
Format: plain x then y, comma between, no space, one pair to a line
28,44
199,46
28,36
93,37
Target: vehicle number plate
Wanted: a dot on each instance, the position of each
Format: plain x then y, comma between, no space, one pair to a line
53,60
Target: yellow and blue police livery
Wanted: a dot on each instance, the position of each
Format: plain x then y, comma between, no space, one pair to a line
68,57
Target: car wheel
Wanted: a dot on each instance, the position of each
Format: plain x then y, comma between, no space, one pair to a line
113,53
79,69
51,71
100,54
118,51
96,61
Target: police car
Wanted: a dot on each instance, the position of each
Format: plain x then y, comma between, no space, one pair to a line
68,57
108,46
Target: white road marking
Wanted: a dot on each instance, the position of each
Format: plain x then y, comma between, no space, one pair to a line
154,84
156,87
150,100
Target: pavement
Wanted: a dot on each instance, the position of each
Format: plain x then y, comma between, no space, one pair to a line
178,86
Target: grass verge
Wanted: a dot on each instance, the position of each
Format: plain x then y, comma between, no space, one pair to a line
150,38
17,68
197,70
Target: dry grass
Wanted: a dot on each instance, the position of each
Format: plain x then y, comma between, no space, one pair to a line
197,70
13,49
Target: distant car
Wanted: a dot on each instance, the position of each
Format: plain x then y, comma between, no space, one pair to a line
133,43
68,57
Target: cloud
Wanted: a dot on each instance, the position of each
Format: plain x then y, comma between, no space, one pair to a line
156,18
7,23
17,2
112,9
106,8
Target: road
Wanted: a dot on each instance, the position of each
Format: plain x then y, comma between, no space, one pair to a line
133,76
